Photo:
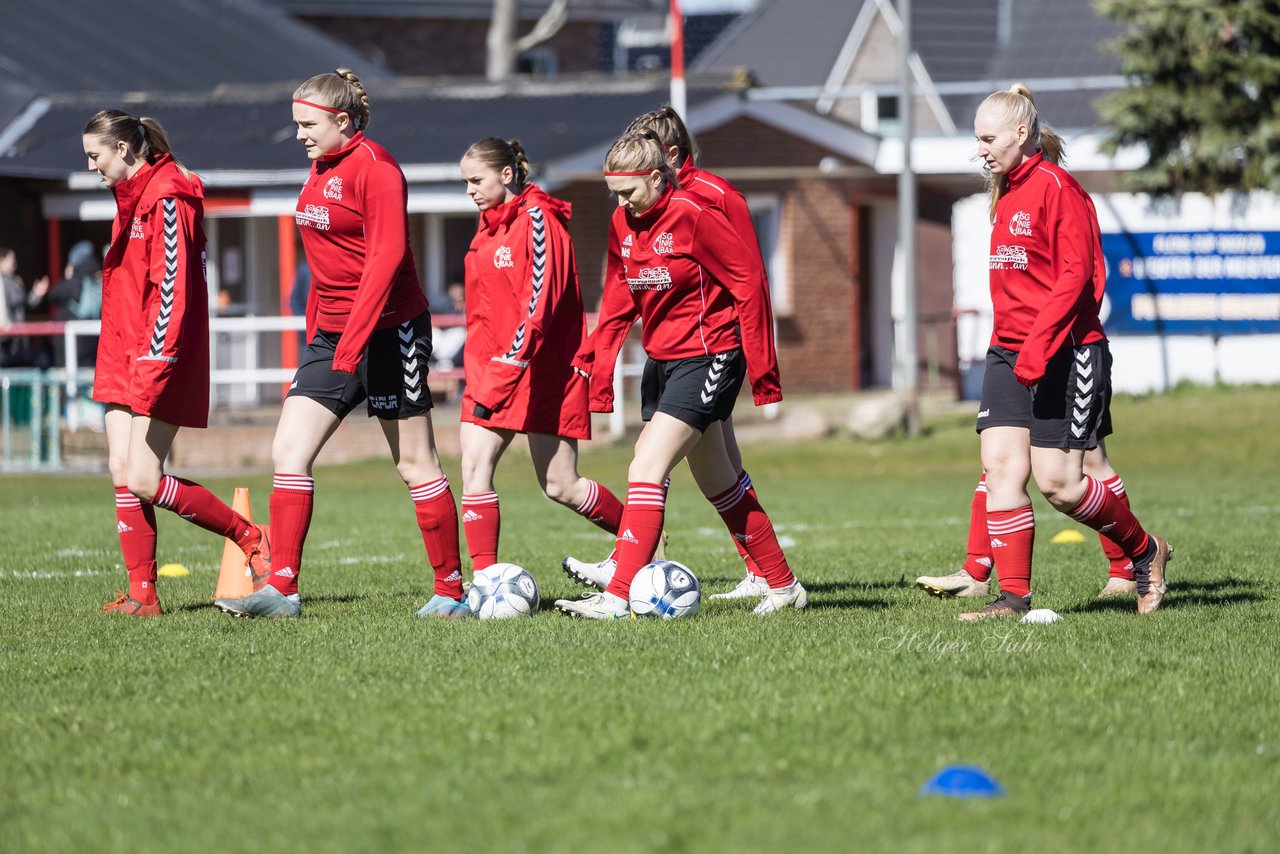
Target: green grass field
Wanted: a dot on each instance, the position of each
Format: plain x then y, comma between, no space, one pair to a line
361,728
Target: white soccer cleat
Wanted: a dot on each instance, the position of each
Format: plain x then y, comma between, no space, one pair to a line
596,606
791,596
960,584
750,587
597,575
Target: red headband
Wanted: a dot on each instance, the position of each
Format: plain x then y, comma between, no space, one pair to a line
319,106
629,174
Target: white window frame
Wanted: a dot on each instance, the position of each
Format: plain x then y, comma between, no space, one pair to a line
767,214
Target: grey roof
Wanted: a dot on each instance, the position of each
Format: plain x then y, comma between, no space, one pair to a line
785,42
418,124
72,46
465,9
796,43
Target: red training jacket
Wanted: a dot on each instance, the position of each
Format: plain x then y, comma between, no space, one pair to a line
1047,269
355,231
525,321
692,282
153,353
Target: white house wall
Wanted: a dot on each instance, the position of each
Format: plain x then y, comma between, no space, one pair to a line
1143,363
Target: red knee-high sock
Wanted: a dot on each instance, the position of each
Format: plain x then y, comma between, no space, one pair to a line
978,561
136,525
601,508
438,521
481,522
638,533
1101,510
1121,566
1013,536
750,526
199,506
745,480
292,498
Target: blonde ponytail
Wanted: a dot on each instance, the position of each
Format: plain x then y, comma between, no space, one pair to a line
1018,107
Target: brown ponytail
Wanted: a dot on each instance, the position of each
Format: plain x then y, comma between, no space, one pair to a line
499,153
144,136
671,131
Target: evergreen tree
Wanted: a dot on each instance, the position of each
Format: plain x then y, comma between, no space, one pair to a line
1205,96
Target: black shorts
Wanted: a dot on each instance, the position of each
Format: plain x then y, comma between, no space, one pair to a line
1069,408
392,376
698,391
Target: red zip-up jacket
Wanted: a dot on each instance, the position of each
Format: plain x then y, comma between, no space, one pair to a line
355,230
1047,269
719,195
525,321
693,283
153,353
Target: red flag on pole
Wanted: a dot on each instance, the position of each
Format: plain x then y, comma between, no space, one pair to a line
677,59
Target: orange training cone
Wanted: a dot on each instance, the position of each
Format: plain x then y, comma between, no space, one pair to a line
234,579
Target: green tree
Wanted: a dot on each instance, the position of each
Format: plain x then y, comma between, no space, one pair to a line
1205,93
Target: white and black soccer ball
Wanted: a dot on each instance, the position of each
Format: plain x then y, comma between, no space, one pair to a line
665,589
503,591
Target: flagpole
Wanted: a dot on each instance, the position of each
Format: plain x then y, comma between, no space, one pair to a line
679,100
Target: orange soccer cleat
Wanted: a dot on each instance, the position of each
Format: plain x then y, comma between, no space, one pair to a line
130,607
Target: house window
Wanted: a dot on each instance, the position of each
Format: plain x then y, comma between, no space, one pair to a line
766,215
538,62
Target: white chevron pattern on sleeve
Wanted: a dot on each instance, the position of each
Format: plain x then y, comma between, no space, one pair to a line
161,329
539,269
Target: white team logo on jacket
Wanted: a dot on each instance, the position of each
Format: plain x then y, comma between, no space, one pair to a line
650,279
333,189
136,232
316,216
502,257
665,244
1020,224
1013,256
626,246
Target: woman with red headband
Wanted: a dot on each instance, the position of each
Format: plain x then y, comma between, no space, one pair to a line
524,326
688,277
153,355
718,194
369,334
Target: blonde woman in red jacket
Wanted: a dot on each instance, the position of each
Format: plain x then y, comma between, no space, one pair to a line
1047,388
681,152
369,341
705,323
525,324
153,355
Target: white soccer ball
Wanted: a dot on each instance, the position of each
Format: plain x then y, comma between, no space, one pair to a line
503,591
665,589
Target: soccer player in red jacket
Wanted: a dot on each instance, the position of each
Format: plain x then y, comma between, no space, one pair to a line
153,355
720,195
369,341
525,324
705,323
1047,389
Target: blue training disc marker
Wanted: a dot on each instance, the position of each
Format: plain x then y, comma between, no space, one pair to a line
962,781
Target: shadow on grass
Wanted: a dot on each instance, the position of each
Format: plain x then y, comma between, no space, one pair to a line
344,597
1217,592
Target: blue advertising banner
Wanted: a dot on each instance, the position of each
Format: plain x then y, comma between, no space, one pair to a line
1192,283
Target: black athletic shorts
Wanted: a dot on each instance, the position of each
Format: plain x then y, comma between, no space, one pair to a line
698,391
1069,408
392,376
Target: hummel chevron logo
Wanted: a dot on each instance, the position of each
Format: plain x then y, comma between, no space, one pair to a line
1077,430
1085,388
1077,415
1083,402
